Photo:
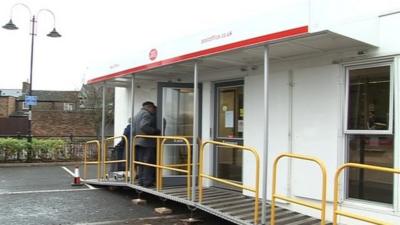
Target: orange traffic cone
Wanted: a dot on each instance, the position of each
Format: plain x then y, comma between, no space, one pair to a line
77,179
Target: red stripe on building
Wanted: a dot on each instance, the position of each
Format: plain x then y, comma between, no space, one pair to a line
206,52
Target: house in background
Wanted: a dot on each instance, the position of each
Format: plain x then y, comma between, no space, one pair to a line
7,101
7,105
11,122
61,114
57,114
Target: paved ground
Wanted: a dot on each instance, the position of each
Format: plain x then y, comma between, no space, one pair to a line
44,196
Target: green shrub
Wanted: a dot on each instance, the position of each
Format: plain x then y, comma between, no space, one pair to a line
47,148
11,148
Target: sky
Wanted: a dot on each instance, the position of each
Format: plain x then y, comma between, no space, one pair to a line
93,30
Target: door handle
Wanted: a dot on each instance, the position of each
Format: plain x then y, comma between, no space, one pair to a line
164,125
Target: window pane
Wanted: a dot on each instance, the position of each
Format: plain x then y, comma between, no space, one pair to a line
369,96
230,112
371,185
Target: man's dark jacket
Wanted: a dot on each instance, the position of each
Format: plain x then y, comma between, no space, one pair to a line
144,123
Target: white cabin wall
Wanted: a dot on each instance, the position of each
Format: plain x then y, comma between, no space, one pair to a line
306,111
389,33
279,130
316,121
358,19
207,124
144,91
316,126
122,110
253,134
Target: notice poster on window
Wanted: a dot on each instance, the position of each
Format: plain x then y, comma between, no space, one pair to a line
228,119
240,125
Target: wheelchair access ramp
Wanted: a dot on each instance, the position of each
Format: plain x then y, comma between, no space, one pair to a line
227,204
230,205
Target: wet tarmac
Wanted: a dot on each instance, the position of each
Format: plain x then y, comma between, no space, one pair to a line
44,196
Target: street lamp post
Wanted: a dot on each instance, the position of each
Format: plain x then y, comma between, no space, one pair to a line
54,34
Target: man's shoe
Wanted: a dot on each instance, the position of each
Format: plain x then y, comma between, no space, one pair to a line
149,185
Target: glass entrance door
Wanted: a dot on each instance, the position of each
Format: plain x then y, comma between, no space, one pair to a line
177,111
229,129
175,118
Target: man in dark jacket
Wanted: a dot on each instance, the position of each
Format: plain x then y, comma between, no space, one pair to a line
145,124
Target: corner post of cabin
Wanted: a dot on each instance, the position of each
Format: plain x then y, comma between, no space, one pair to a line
132,108
265,152
103,124
195,130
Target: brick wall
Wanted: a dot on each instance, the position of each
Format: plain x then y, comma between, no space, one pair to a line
12,105
3,107
7,106
59,123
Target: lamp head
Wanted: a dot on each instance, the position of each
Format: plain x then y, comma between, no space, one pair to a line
10,25
54,34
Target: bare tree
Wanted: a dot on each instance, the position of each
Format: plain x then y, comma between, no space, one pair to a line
91,97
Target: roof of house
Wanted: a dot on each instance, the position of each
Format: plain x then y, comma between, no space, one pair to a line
54,96
19,114
11,92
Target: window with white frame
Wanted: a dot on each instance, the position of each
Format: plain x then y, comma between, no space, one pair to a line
369,130
25,106
68,106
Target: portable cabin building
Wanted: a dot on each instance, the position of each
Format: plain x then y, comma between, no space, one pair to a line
317,78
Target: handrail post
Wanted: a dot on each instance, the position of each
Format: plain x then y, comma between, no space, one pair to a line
104,158
84,160
158,163
336,193
188,168
272,216
98,160
255,189
159,158
200,182
160,179
161,166
126,157
105,162
336,212
133,158
322,166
